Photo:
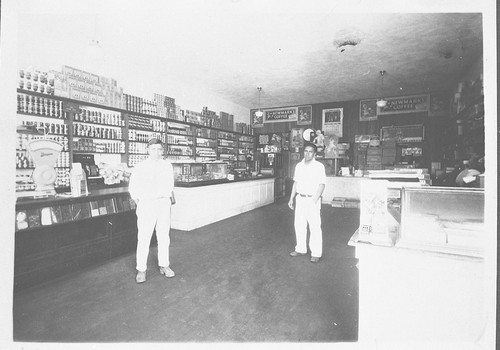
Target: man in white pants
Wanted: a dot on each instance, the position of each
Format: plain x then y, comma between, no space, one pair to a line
309,184
152,188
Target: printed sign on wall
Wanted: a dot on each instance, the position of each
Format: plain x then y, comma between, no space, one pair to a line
405,104
288,114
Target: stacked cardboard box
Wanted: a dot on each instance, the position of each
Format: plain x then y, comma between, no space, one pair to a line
227,121
84,86
194,117
210,117
244,128
360,155
388,152
374,155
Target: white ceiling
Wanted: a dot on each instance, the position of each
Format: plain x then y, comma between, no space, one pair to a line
299,53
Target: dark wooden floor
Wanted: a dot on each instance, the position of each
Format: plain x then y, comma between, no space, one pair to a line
235,282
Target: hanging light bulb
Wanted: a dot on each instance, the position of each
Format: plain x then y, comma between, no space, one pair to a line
382,103
259,113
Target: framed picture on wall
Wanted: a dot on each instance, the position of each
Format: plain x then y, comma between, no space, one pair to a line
367,110
333,121
305,115
296,140
440,105
256,121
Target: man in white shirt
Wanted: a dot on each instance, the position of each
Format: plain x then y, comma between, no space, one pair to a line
152,188
309,184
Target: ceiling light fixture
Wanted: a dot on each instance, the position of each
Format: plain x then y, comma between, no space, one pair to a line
382,102
259,113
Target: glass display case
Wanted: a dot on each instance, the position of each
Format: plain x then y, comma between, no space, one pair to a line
379,213
444,219
197,172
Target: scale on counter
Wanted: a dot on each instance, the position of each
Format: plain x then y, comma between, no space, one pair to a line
44,153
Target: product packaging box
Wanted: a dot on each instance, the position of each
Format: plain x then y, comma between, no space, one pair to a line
388,160
94,208
389,152
101,99
68,71
66,213
94,78
78,74
86,76
389,144
76,211
72,83
374,151
85,210
80,84
374,159
34,219
75,93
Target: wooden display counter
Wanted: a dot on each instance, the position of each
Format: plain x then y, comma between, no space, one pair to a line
61,234
64,234
197,206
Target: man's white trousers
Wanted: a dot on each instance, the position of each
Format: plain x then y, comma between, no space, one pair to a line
150,214
308,212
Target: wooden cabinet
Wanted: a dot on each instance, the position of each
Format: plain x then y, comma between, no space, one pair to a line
57,236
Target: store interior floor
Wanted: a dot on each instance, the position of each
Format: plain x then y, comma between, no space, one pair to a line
235,282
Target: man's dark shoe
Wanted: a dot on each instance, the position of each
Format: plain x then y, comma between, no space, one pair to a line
294,253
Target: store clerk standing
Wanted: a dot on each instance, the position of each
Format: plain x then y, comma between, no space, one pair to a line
309,184
152,188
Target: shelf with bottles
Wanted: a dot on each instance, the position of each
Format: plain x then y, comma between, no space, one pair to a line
226,150
81,129
223,135
204,152
226,143
179,129
40,105
43,124
148,123
98,146
206,143
99,116
206,133
179,150
227,157
144,136
246,139
137,148
246,151
180,140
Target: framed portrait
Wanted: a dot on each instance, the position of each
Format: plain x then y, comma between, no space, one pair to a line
304,115
367,110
